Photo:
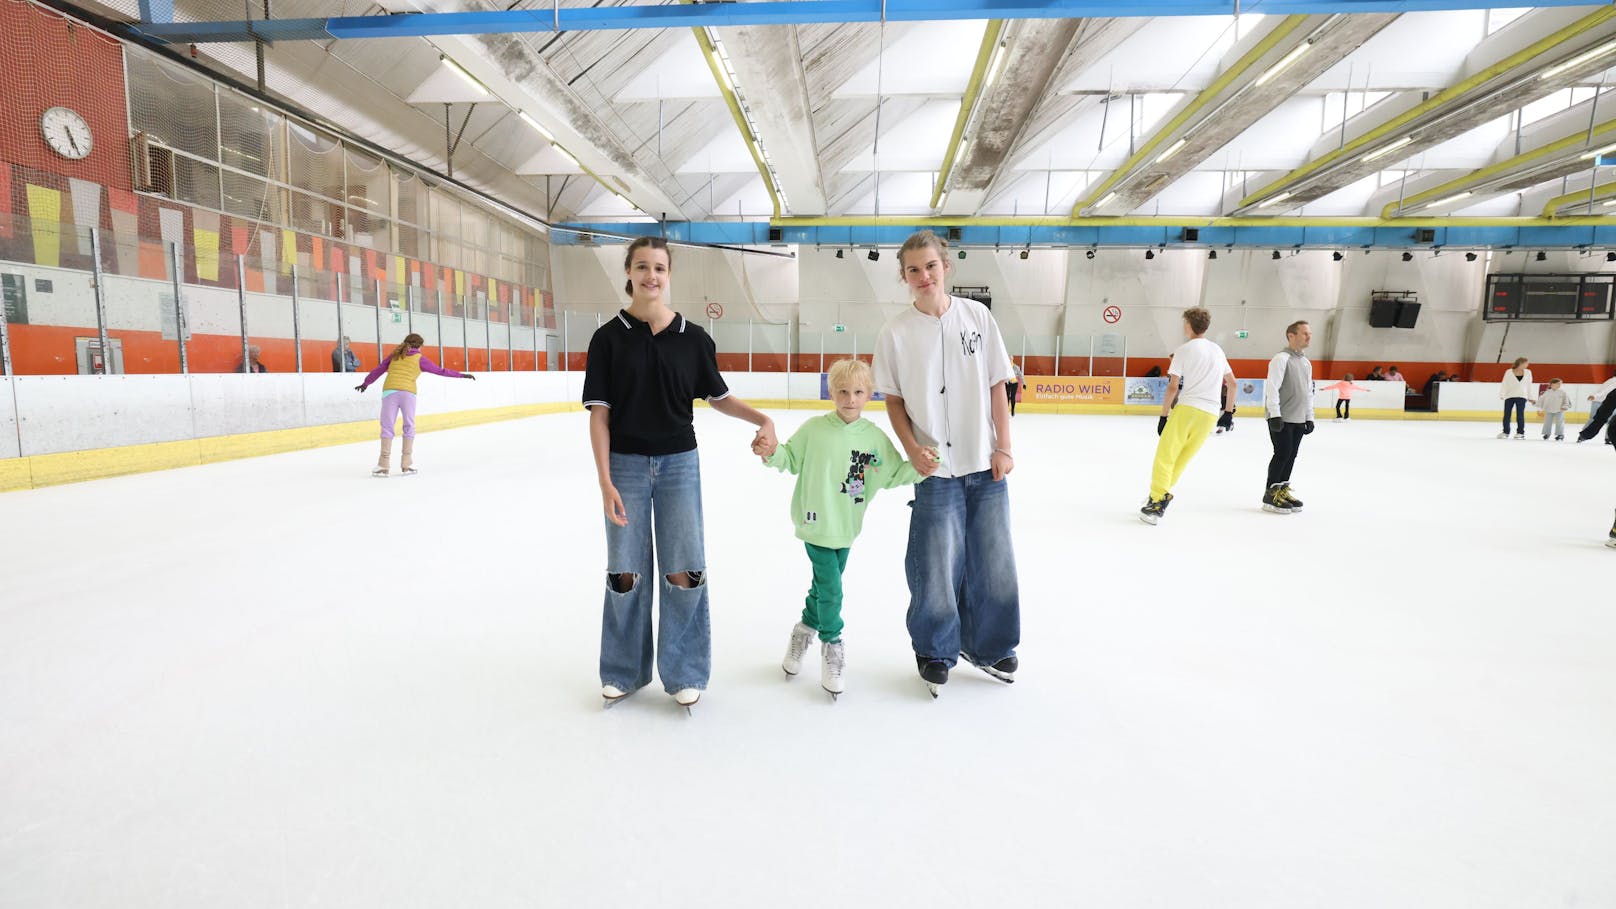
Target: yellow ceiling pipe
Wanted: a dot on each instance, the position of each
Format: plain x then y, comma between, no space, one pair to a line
1481,176
1281,31
1446,96
984,57
1598,193
710,54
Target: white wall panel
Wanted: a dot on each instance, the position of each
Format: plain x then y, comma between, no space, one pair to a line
230,403
73,413
9,445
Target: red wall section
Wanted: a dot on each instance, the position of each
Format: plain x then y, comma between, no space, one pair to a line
52,62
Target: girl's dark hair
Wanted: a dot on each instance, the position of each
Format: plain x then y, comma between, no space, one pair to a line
643,243
410,340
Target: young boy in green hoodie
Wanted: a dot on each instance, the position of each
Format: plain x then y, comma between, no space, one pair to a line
841,461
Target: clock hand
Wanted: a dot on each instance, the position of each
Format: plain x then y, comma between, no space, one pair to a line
72,141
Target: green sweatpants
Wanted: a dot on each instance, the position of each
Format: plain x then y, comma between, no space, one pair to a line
822,611
1187,428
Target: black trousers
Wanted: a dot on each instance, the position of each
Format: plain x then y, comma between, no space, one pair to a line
1601,416
1287,442
1343,407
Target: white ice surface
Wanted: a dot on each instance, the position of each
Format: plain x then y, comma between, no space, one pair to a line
280,683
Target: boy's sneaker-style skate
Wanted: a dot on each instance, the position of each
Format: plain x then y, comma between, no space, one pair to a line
1289,499
1004,670
1273,501
1154,509
832,662
802,637
934,672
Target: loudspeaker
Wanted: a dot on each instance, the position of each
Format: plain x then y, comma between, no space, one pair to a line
774,235
1407,315
1192,234
1382,313
955,234
1425,235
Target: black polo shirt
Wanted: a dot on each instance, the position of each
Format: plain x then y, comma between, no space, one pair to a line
649,381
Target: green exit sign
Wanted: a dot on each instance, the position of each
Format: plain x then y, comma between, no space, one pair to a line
1242,334
838,327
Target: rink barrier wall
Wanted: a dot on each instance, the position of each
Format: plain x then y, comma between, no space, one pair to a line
64,429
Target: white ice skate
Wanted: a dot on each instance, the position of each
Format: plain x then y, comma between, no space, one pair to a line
687,698
802,637
612,694
833,659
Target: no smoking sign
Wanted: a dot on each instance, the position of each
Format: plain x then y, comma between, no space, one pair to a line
1112,315
715,310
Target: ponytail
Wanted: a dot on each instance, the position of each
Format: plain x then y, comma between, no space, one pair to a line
411,340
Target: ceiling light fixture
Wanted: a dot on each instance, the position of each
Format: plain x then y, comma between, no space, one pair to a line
1408,257
1024,254
460,71
1172,150
1336,255
1542,256
1453,198
1599,151
1150,254
1578,60
1285,61
994,65
1276,255
1088,254
563,153
535,124
873,255
1274,201
1106,200
1387,149
1211,254
1470,257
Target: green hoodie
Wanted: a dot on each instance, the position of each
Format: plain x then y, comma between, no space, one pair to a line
839,467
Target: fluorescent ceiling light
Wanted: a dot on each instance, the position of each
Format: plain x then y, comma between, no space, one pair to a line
563,153
1172,150
1105,201
1287,60
1578,60
536,127
993,66
1453,198
460,71
1275,200
1387,149
723,72
1599,151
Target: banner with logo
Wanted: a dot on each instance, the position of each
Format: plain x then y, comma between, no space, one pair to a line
1073,390
1146,391
1248,392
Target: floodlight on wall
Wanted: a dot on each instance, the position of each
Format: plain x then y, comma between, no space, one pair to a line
1087,254
1211,254
1024,254
873,255
1471,257
839,253
1542,256
1276,255
1610,257
962,254
1337,255
1150,254
1408,257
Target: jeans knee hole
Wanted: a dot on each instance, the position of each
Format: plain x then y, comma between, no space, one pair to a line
622,582
689,580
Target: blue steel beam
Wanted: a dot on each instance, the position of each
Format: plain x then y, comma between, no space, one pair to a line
766,12
1012,237
157,10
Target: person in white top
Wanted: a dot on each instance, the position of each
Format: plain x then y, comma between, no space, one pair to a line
942,365
1203,369
1601,404
1516,388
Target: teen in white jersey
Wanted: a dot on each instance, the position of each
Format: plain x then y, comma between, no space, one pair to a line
1202,367
942,365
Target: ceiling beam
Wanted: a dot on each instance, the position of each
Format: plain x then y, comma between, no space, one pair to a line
1557,157
775,97
764,12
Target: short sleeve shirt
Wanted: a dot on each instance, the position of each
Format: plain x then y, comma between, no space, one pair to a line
1202,366
942,369
649,382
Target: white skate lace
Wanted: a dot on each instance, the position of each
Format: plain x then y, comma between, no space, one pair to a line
835,659
799,644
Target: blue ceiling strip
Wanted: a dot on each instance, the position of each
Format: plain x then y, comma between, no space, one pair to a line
767,12
756,233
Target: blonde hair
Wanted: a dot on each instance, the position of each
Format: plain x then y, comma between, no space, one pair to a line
410,340
843,373
921,239
1518,362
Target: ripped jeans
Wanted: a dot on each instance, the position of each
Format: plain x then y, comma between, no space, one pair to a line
662,498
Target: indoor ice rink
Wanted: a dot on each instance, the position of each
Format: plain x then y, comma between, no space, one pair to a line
238,670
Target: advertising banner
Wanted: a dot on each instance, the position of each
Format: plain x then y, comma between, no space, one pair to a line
1072,390
1146,391
1248,392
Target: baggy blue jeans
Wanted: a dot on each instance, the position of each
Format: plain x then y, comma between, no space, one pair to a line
963,595
662,496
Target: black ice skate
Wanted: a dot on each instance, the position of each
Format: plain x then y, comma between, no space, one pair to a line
1273,500
1155,508
1612,541
1004,670
934,672
1290,500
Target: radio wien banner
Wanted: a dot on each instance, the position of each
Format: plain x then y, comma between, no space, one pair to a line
1072,390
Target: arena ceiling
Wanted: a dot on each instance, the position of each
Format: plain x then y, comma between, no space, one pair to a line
1485,113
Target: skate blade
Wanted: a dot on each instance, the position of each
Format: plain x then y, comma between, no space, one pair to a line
609,703
1611,543
1275,509
1148,519
833,694
933,688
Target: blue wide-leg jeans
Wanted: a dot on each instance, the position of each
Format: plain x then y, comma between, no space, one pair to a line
662,496
963,595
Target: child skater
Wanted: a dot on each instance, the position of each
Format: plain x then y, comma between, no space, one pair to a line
941,363
1198,366
1552,406
403,366
646,366
841,461
1343,397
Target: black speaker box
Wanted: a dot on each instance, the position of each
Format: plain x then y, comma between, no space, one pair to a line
1192,234
1382,313
1407,315
774,235
955,234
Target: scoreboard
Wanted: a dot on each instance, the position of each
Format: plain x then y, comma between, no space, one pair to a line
1549,298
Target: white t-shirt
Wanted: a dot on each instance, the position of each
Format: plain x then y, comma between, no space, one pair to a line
1202,366
943,368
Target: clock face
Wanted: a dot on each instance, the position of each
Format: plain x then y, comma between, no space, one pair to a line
66,133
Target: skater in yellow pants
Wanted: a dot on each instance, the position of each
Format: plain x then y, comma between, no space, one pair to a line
1193,379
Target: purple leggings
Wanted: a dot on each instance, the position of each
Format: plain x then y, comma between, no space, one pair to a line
393,404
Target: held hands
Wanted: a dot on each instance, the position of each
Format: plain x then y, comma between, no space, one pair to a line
1276,425
765,443
613,503
925,460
